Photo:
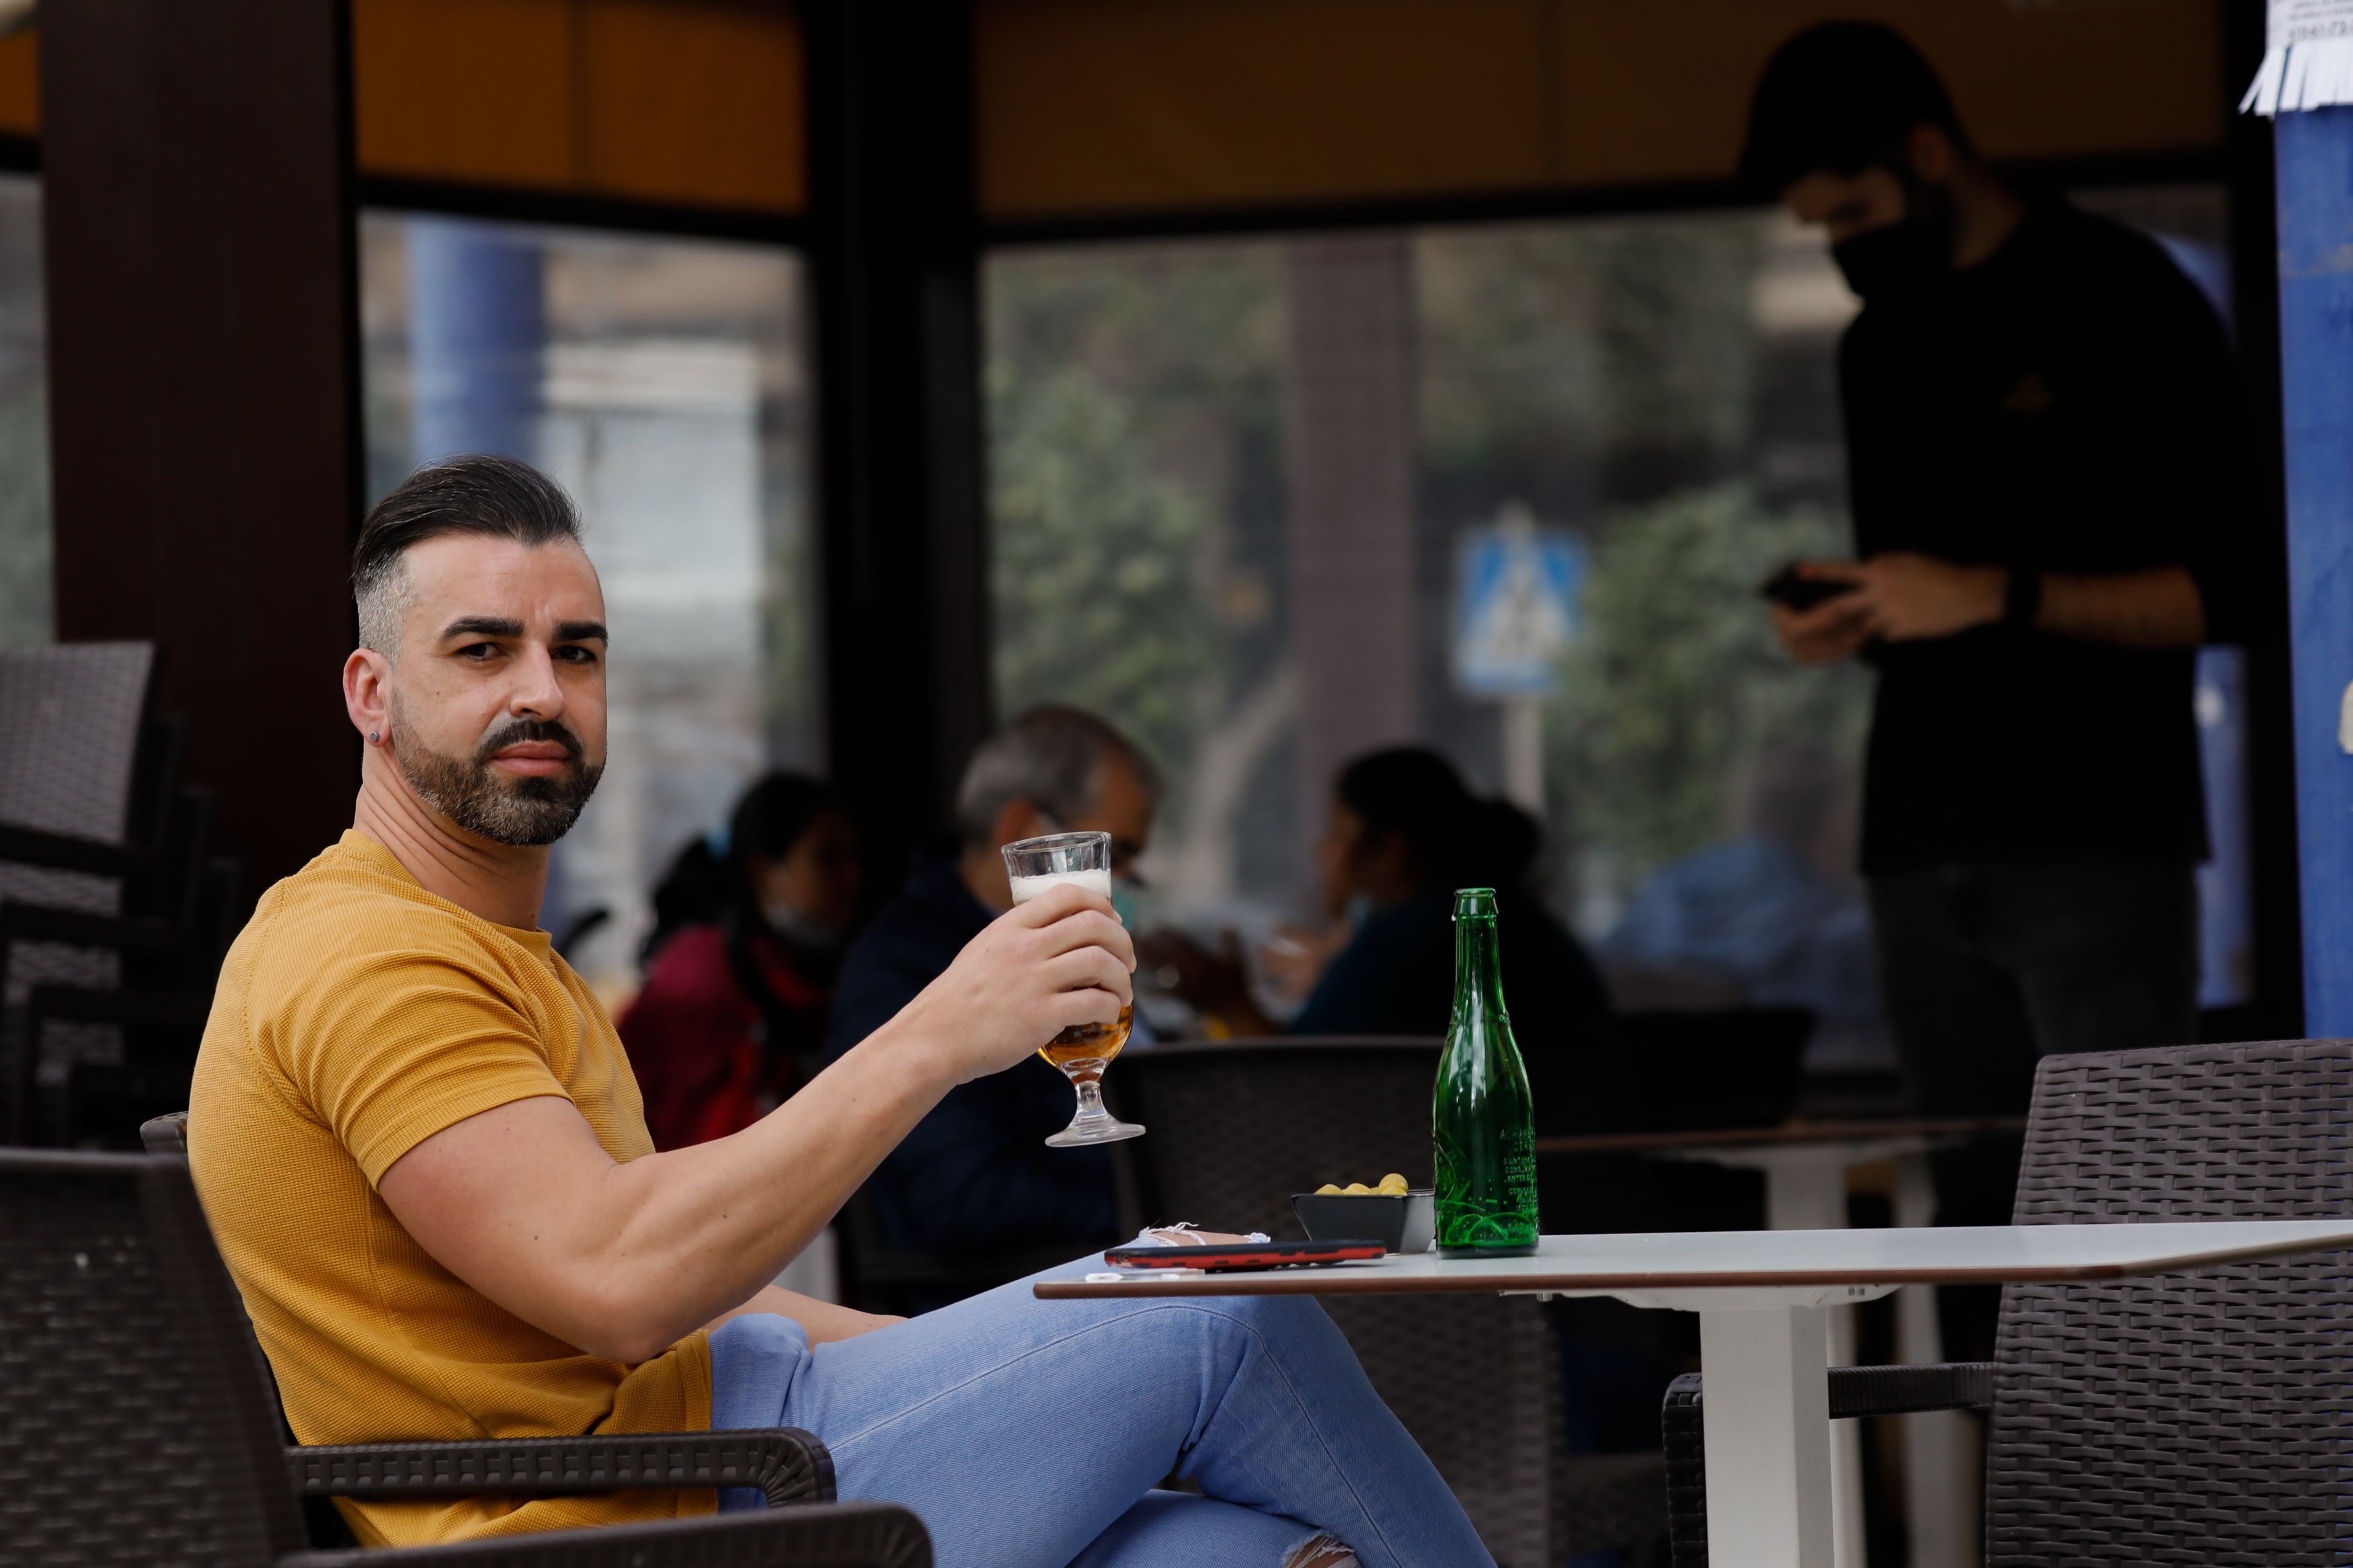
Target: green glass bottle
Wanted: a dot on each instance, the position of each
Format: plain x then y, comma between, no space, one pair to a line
1483,1121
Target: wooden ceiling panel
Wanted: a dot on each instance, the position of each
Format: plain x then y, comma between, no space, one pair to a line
695,103
473,91
1161,105
1658,89
1087,105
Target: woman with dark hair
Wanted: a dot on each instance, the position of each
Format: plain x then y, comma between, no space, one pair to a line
740,965
1403,833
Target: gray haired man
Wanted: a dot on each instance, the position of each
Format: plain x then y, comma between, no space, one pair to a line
975,1177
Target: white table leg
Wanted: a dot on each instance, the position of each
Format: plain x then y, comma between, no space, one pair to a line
1940,1464
1806,1190
1766,1416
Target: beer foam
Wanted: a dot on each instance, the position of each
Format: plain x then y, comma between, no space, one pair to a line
1028,888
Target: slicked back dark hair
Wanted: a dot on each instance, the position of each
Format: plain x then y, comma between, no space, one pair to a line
1841,98
499,497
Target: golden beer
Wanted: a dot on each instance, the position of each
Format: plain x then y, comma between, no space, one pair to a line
1084,1050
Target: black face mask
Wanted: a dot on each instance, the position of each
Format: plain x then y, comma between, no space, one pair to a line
1898,257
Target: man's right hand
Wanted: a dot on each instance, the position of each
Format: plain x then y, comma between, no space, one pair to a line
1062,958
1832,630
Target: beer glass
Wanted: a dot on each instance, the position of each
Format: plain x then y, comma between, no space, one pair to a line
1083,1050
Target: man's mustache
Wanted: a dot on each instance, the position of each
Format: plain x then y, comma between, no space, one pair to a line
516,731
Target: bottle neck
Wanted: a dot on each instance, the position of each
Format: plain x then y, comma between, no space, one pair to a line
1478,968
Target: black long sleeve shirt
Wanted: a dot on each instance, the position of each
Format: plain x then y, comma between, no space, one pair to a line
2070,405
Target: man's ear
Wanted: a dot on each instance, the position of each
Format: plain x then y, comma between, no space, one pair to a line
367,692
1016,820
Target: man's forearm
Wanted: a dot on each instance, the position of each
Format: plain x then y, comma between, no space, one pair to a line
2153,609
700,1230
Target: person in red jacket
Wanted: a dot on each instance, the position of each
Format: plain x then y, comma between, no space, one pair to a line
740,968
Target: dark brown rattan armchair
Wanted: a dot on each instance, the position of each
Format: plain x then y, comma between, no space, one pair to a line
137,1425
2198,1418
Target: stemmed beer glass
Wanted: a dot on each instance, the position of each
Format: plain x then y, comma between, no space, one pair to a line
1083,1050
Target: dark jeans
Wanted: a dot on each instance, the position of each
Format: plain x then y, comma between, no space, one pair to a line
1987,969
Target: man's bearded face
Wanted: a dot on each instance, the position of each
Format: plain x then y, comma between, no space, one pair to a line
525,812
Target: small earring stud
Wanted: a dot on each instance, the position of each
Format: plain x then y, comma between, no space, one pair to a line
371,737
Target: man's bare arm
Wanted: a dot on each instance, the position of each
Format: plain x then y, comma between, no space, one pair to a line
623,1260
1906,597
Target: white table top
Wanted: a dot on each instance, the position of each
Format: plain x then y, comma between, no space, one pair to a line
1748,1260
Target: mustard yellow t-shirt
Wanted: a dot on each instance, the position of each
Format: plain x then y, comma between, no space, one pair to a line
357,1016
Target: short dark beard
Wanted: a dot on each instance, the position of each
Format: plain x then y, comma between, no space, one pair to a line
523,812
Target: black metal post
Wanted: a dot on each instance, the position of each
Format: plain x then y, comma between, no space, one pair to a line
895,246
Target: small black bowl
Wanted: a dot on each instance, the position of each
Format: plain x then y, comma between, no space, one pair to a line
1401,1224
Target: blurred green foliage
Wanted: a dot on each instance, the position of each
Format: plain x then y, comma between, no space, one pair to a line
1545,345
1676,682
1097,600
1123,385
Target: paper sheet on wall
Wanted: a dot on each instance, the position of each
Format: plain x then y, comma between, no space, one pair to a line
2307,58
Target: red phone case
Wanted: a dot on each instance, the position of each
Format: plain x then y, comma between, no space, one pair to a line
1244,1254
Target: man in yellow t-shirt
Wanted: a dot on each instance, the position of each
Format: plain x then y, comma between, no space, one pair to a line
420,1145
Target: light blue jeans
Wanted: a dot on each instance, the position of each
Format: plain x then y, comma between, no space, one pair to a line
1030,1434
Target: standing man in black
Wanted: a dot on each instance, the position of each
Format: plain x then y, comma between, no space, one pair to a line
2048,469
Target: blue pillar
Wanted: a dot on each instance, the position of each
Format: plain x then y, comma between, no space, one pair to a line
477,352
2315,157
477,339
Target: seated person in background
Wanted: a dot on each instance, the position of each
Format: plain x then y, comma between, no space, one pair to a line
741,961
976,1176
419,1145
1403,832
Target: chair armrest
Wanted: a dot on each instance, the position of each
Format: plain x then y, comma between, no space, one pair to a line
788,1464
830,1535
1853,1390
1907,1389
70,852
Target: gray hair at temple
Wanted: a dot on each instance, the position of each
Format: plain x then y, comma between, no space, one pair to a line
1051,756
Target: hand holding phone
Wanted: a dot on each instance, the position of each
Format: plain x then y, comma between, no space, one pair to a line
1792,589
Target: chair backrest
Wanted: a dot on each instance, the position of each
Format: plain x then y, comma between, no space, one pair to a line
2198,1418
132,1427
1239,1126
1250,1122
70,716
71,720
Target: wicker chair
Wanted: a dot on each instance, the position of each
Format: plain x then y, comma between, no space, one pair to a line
2195,1419
112,919
1239,1126
135,1428
72,721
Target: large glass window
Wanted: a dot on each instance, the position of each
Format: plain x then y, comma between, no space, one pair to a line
25,570
1253,498
1241,491
663,382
